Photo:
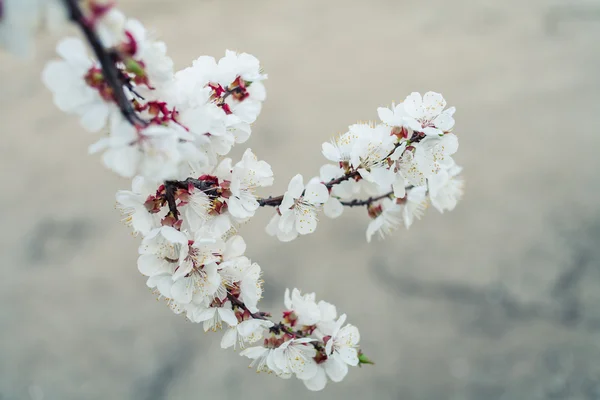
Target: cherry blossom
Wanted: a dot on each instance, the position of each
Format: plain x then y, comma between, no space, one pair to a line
300,205
426,114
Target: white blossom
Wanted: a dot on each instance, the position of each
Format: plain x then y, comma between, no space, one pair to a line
446,188
296,356
132,206
415,205
155,152
305,309
395,116
248,175
300,205
248,331
426,114
263,360
387,217
333,208
74,94
214,316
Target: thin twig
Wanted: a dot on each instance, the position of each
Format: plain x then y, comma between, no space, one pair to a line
365,202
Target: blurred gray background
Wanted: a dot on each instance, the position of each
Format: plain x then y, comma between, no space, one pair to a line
496,300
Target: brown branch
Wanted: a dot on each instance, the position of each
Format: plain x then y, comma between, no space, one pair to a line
366,202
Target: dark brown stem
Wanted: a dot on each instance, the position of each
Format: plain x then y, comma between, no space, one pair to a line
237,302
111,73
365,202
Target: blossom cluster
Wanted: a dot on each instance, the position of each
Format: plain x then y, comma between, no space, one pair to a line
404,163
171,132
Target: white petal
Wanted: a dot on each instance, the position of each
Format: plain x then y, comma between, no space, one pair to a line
296,186
235,247
229,338
182,290
228,316
306,222
348,355
317,382
316,193
287,220
150,265
333,208
336,369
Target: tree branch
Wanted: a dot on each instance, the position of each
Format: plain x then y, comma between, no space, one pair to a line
366,202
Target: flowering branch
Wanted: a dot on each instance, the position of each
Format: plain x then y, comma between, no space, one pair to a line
171,132
107,62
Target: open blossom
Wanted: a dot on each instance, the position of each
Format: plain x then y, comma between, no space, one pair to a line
387,217
333,208
155,152
214,315
131,37
414,205
248,175
300,205
446,188
78,86
187,268
341,349
301,309
134,207
426,114
396,117
296,356
263,360
248,331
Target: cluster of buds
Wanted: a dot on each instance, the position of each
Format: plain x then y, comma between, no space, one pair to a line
171,133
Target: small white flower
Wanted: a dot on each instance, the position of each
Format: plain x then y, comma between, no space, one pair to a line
156,152
159,257
196,211
300,205
297,356
157,65
196,277
214,316
263,359
339,150
426,114
372,147
395,116
344,342
446,188
434,153
304,308
248,331
387,217
248,175
341,351
272,229
132,206
415,205
72,94
333,208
